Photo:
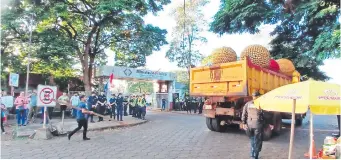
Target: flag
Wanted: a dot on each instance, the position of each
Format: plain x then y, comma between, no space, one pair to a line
111,80
106,87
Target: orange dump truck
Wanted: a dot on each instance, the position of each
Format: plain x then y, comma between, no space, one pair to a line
229,86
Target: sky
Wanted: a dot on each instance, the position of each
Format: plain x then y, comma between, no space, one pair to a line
158,61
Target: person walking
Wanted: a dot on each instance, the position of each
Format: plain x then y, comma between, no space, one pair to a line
253,122
33,106
21,105
119,102
75,100
112,106
101,105
81,119
163,101
92,103
63,100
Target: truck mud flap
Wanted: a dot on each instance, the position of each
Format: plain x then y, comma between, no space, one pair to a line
209,113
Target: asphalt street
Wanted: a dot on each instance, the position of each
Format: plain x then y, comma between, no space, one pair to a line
168,135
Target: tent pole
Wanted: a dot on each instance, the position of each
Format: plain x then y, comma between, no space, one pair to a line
292,128
311,136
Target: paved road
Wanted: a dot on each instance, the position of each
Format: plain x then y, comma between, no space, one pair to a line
167,135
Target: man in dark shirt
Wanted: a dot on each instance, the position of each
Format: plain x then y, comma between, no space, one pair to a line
112,105
92,103
163,104
81,119
119,102
101,105
125,104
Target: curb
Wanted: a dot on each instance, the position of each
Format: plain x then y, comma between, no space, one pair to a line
93,129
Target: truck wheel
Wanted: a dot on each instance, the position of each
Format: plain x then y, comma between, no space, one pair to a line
299,121
267,133
216,125
209,123
277,122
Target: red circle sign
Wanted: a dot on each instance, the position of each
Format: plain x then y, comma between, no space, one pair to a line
46,95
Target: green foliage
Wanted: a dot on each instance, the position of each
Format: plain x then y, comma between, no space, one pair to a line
182,77
186,34
307,32
78,31
140,87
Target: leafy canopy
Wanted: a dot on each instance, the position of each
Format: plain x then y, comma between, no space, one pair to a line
307,32
186,36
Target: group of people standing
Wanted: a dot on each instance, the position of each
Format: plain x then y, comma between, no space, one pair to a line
189,104
117,107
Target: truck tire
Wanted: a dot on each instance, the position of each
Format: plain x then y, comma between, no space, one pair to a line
277,122
298,122
216,125
209,123
267,133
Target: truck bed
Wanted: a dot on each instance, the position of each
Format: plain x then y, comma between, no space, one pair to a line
234,79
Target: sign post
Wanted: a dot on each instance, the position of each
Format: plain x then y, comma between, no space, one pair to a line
46,97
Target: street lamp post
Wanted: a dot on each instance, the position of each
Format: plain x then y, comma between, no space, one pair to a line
29,56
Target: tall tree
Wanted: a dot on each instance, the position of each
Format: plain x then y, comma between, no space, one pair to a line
140,87
186,34
307,32
83,29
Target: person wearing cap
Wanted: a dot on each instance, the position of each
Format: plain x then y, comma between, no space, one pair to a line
119,102
125,104
92,103
131,105
143,107
253,121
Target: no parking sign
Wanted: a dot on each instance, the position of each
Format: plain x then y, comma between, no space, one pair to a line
47,95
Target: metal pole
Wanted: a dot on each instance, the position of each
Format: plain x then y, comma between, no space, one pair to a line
45,114
292,128
29,57
311,136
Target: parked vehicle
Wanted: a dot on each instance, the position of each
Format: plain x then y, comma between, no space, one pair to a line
229,86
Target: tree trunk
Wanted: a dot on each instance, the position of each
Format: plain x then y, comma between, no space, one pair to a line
91,64
86,80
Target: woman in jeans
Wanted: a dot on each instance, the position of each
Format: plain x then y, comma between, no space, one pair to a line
21,105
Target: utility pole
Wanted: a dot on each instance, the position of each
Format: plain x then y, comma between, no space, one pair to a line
29,56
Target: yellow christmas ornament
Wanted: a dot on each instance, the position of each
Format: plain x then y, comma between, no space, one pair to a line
286,66
258,55
223,55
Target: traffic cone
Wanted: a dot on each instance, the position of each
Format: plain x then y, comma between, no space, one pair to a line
314,152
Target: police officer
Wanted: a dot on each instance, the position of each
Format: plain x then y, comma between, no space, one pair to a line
131,105
143,107
136,108
92,103
253,122
125,104
188,105
112,106
119,102
101,105
81,119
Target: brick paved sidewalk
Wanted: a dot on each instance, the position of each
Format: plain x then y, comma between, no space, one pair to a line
13,131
